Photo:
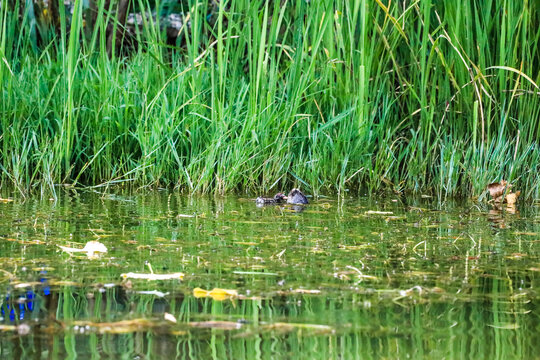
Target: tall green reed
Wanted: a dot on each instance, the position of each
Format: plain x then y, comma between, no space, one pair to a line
329,96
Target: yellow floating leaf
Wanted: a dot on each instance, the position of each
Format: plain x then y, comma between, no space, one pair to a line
178,332
199,293
222,294
216,294
5,200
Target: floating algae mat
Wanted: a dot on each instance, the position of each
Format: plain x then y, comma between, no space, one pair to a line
162,275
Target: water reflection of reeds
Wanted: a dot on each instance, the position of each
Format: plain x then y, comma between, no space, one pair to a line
362,279
114,321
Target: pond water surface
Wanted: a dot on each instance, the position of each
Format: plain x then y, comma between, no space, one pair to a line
358,278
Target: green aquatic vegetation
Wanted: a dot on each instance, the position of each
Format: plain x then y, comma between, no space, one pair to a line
439,97
421,278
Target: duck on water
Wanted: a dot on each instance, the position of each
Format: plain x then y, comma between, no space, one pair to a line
295,197
277,199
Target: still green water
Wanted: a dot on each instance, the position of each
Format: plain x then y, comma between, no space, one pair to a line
352,279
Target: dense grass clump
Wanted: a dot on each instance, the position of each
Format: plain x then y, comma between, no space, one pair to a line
437,96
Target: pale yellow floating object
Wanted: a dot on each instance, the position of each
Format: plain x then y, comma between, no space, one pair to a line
216,293
306,291
173,276
26,285
7,328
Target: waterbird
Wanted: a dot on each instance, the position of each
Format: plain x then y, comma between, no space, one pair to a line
277,199
297,197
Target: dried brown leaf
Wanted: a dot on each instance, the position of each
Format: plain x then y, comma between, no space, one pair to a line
511,198
498,199
497,189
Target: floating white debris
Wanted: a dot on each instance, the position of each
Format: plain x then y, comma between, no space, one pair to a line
92,249
169,317
172,276
153,292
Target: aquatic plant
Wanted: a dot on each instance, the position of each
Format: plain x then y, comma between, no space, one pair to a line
328,95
